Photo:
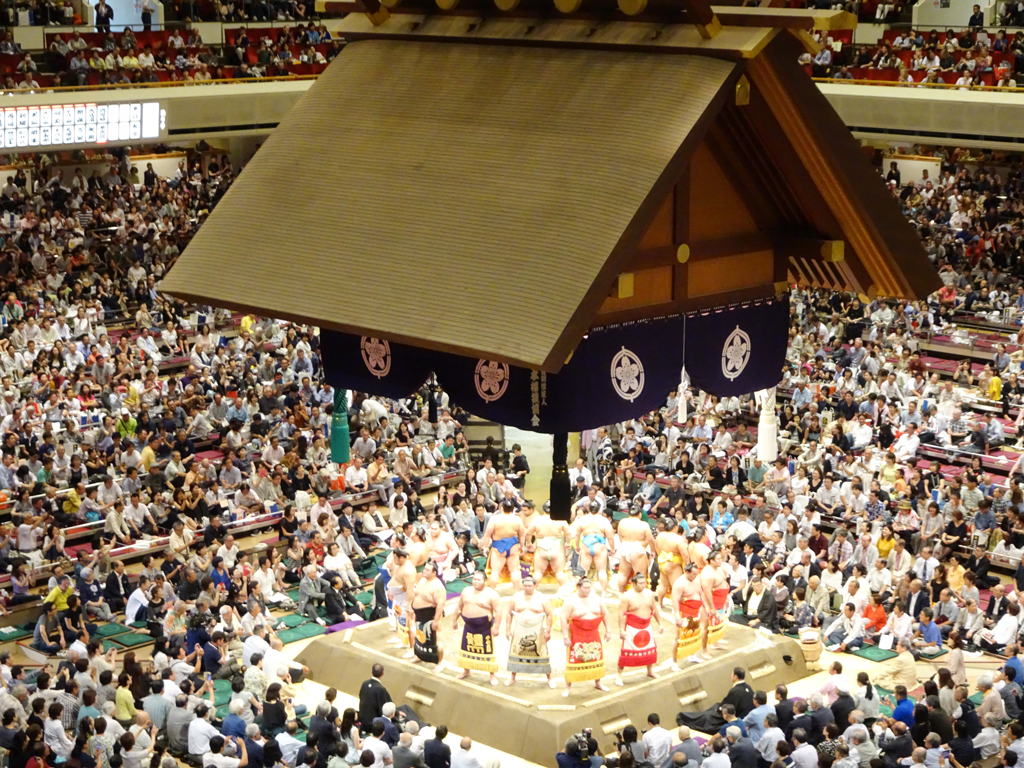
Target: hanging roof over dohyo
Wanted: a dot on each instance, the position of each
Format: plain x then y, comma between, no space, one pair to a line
453,196
483,199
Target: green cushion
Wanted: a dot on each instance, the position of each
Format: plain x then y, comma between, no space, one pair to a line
364,597
301,632
222,712
108,644
293,594
133,639
221,686
976,698
221,698
16,633
617,516
291,619
370,565
110,630
874,653
138,625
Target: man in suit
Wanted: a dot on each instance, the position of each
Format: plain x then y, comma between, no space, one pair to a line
978,563
387,719
759,608
116,589
917,598
403,755
741,750
783,707
798,575
750,558
997,606
899,746
312,592
821,716
801,719
687,746
740,696
437,754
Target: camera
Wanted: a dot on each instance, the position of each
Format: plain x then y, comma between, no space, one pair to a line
583,740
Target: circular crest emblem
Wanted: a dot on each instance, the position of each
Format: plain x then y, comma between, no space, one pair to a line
377,356
735,354
642,639
491,380
627,375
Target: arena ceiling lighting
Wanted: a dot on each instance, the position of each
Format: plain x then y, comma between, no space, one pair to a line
63,125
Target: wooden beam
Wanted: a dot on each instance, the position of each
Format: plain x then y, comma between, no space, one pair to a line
685,305
375,12
790,167
744,172
681,198
707,23
620,259
730,246
767,16
883,240
784,18
831,251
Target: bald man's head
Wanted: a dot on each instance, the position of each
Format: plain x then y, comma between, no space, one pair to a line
466,743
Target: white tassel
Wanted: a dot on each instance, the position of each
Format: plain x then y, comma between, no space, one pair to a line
684,384
767,427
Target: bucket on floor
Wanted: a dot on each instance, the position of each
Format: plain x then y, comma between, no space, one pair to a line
810,644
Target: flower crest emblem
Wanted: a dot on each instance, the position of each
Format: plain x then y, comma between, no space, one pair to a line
376,356
627,375
735,354
491,380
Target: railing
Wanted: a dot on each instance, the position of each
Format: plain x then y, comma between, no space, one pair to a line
160,84
921,84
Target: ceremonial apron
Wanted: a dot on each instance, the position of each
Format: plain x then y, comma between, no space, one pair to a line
477,651
529,650
425,646
689,633
638,648
585,654
718,620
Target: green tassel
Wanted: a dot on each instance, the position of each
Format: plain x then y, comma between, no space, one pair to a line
339,427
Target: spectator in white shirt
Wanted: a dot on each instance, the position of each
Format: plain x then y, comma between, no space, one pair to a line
355,476
229,551
657,740
381,751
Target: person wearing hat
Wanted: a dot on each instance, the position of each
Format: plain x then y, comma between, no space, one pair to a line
9,403
580,490
125,424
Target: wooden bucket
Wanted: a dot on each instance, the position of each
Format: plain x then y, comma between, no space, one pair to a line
811,649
